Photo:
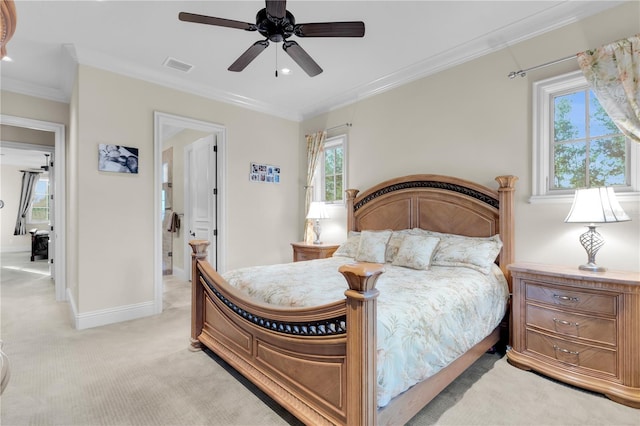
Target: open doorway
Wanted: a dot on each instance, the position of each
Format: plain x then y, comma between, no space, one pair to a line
56,205
25,186
174,139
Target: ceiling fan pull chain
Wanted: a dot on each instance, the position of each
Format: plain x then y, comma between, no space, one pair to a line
276,62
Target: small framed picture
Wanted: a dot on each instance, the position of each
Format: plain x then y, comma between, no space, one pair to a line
117,158
265,173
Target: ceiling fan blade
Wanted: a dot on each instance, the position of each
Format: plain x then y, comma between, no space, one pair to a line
330,29
301,58
220,22
276,8
249,55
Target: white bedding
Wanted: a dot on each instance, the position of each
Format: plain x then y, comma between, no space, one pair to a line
426,318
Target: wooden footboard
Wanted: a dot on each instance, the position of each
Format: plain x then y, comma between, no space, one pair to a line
318,363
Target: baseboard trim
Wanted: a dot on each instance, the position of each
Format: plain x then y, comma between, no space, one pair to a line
72,308
109,316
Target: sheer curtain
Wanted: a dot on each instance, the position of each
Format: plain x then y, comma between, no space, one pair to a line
315,143
29,180
613,72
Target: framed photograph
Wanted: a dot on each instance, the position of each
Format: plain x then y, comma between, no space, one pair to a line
117,158
265,173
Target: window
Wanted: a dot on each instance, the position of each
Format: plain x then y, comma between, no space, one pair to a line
40,207
576,144
331,173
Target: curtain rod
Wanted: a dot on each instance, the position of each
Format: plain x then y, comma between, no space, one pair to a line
337,127
522,73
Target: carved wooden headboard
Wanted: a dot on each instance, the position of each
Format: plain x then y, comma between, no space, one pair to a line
438,203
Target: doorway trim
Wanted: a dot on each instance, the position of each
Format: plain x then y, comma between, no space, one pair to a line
58,129
160,120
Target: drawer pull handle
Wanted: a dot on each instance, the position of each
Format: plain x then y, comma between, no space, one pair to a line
566,351
566,298
563,322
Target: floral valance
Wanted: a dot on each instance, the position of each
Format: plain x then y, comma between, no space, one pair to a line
613,72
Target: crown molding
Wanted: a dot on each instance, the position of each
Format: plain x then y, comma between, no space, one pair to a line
35,90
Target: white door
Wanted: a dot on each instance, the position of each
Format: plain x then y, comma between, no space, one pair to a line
200,204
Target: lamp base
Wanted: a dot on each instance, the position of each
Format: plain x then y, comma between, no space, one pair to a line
591,241
592,267
316,230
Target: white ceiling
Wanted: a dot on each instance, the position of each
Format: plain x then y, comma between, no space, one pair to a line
404,40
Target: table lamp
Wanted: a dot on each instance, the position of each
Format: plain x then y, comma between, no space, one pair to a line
317,211
591,206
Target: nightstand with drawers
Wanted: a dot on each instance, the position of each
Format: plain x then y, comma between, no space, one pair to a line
579,327
304,251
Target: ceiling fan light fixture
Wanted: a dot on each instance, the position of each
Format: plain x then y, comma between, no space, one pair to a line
276,24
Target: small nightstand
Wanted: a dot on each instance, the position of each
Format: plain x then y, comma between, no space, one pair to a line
579,327
304,251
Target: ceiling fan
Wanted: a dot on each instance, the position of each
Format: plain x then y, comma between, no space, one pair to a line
277,24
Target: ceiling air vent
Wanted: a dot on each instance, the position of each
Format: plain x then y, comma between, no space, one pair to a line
177,65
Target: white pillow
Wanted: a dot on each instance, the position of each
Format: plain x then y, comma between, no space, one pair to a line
394,244
416,251
373,246
472,252
350,247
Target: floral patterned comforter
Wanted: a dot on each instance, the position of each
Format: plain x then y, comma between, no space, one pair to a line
426,319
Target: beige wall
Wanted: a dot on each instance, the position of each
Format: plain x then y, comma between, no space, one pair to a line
474,122
34,108
115,233
23,135
110,231
27,107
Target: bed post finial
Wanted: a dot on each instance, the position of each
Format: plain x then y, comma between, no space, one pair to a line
507,229
351,196
361,341
199,248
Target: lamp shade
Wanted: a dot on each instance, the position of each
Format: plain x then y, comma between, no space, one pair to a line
317,210
596,205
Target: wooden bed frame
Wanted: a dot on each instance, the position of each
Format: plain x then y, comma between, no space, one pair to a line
320,363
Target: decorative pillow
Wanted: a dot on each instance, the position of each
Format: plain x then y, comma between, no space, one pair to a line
394,244
373,246
472,252
416,251
350,247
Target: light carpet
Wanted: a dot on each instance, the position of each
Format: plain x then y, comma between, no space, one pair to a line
141,373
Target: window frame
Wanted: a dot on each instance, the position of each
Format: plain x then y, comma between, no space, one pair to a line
30,215
542,132
319,175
